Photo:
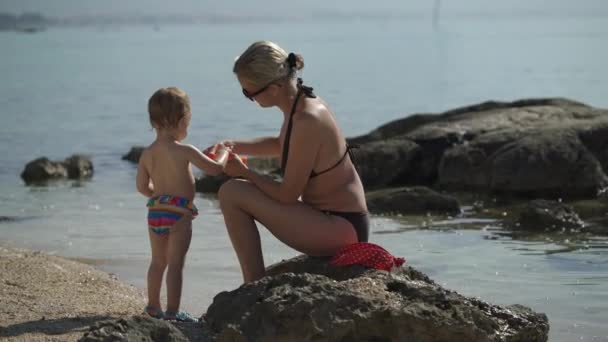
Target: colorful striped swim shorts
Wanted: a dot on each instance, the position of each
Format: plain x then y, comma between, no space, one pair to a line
165,210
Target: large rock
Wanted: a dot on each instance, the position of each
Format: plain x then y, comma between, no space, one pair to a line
382,163
543,164
415,200
134,329
534,147
42,169
313,301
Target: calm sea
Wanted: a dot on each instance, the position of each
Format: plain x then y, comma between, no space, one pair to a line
84,90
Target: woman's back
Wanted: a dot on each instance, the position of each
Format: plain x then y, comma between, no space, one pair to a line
334,183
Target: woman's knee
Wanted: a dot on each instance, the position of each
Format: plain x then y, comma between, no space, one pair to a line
230,190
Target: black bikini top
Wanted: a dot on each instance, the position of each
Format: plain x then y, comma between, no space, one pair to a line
308,92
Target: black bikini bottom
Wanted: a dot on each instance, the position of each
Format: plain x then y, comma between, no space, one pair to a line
360,222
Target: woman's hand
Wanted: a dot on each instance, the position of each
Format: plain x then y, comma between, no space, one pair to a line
229,144
235,167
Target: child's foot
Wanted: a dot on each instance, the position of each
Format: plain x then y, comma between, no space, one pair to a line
154,312
180,316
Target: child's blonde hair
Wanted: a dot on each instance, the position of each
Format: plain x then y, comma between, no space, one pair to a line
167,106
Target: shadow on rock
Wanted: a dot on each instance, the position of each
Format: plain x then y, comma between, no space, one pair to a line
51,326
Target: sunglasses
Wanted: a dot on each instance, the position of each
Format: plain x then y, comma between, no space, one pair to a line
251,96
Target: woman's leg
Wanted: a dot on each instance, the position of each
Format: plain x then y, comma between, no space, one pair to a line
179,242
158,264
298,225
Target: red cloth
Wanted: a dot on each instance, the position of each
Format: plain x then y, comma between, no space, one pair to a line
366,254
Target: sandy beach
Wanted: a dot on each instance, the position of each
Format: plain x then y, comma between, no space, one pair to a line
49,298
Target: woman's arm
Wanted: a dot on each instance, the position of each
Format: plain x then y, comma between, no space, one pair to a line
264,146
210,166
303,148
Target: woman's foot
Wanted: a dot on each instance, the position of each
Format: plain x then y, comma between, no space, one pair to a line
154,312
180,316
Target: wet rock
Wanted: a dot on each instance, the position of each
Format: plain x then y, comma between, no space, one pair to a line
526,148
210,184
544,215
313,301
79,166
549,163
265,165
41,170
134,329
412,200
134,154
602,195
6,219
382,163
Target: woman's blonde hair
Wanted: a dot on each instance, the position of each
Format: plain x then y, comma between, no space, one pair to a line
264,62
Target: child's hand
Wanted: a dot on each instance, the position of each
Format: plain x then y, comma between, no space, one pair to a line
235,166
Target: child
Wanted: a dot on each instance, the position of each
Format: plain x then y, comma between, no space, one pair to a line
164,175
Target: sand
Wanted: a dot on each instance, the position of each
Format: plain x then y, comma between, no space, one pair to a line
49,298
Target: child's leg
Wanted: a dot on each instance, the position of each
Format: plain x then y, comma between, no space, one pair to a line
179,242
158,264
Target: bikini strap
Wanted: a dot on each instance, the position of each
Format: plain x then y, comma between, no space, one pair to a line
348,152
307,91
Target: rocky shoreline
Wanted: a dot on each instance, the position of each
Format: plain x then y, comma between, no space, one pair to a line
49,298
534,165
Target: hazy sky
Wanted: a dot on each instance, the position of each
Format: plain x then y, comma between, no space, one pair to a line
66,8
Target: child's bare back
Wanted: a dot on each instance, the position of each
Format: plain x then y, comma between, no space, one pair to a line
168,165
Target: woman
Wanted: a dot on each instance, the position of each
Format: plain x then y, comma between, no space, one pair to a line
319,206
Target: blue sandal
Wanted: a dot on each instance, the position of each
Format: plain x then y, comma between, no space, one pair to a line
180,316
154,312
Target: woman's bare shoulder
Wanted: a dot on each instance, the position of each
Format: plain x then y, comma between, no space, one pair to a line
314,113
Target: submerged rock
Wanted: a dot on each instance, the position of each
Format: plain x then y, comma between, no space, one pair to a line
134,154
42,169
79,166
544,215
269,165
306,299
210,184
415,200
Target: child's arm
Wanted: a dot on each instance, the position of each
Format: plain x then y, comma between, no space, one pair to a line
209,166
143,177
